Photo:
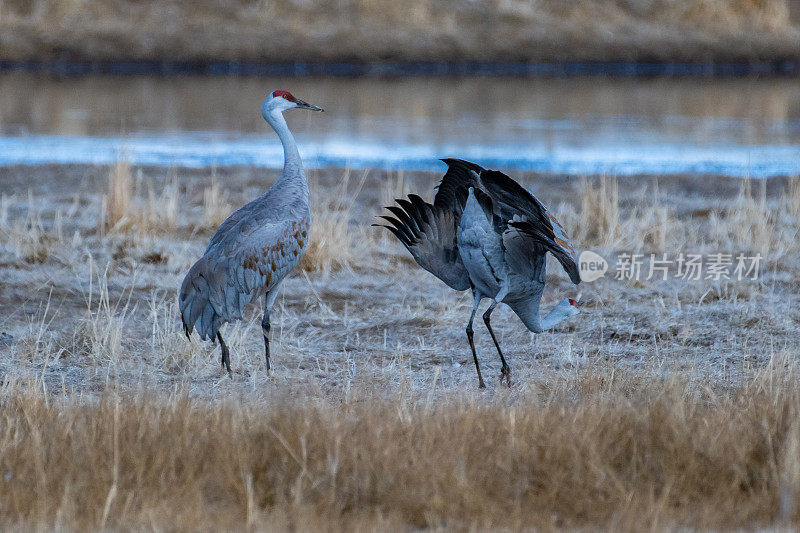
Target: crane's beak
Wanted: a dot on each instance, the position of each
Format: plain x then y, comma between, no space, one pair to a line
305,105
581,303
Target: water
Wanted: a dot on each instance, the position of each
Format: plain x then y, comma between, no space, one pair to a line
578,125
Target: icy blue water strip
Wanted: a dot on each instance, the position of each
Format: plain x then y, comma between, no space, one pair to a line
197,150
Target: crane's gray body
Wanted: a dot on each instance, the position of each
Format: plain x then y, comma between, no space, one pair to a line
254,249
501,266
248,256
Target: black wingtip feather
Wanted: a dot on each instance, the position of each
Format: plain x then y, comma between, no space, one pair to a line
396,232
507,191
408,235
421,207
406,219
413,216
451,191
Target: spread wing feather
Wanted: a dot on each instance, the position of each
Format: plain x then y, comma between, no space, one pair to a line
511,199
452,192
539,238
523,211
519,256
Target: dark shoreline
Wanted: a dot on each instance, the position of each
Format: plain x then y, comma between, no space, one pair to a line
776,68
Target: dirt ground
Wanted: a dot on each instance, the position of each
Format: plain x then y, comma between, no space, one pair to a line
92,258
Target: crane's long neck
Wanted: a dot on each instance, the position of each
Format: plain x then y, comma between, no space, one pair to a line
292,164
551,319
528,311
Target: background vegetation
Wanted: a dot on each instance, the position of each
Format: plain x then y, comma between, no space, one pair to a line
381,30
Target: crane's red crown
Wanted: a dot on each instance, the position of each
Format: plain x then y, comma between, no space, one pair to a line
573,302
286,94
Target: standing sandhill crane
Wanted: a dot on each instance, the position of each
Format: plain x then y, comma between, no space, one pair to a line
255,248
487,233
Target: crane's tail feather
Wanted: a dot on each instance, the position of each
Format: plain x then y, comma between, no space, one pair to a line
198,310
406,224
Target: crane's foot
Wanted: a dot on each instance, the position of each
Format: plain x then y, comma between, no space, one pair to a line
505,373
481,384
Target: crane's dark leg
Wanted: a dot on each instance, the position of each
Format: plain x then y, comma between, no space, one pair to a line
226,355
476,300
265,327
505,372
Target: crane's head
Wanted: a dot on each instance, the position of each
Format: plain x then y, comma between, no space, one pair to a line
569,307
282,100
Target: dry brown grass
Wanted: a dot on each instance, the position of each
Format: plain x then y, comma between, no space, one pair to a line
753,222
602,449
116,204
26,235
132,204
333,238
601,223
216,204
375,30
791,200
750,222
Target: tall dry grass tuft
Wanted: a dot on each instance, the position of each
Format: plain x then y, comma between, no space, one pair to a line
393,187
159,211
116,205
133,205
605,449
599,213
600,222
216,204
27,236
791,199
333,238
749,222
101,334
651,224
